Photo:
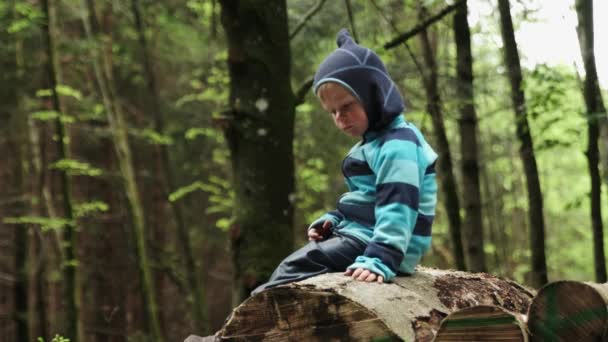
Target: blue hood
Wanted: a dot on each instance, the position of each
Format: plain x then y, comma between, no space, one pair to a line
361,71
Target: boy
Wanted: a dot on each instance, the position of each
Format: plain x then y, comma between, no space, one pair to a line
382,226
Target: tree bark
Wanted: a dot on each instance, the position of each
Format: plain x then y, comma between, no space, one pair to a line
332,306
13,121
40,190
595,113
351,20
118,125
526,149
259,133
569,311
467,124
69,243
482,323
444,163
169,184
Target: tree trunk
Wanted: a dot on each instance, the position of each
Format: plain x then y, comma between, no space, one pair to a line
526,149
259,132
351,20
169,184
70,282
13,120
102,68
482,323
445,174
332,306
569,311
40,190
467,124
595,111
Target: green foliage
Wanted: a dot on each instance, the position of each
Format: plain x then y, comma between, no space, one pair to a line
48,115
193,133
221,198
185,190
29,16
215,89
57,338
153,137
62,90
45,223
89,208
65,90
74,167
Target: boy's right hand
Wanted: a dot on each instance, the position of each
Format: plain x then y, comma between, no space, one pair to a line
320,232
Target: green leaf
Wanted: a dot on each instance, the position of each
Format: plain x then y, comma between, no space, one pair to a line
87,208
194,132
75,167
48,115
45,115
154,137
44,93
224,223
184,190
45,223
65,90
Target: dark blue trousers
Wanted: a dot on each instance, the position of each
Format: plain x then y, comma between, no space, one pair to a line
334,254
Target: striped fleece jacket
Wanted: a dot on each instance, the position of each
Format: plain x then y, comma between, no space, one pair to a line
390,174
391,200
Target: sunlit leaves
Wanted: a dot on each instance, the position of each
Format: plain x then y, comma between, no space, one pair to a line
56,338
220,196
90,208
185,190
45,223
28,16
152,136
74,167
62,90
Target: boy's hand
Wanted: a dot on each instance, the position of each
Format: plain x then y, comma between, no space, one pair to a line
319,233
363,274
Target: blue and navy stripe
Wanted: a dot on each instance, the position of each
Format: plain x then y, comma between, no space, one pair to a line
391,199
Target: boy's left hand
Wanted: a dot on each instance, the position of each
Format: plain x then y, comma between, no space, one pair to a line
363,274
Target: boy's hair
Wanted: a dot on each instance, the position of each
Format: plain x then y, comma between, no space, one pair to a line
360,70
327,86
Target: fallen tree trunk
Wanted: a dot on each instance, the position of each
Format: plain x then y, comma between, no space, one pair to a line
482,323
569,311
334,307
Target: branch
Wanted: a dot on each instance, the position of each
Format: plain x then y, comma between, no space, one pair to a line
302,91
407,47
351,20
307,17
428,22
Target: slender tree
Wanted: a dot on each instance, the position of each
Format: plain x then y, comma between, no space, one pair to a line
69,263
468,140
102,67
12,122
445,173
169,184
351,19
595,112
526,148
259,132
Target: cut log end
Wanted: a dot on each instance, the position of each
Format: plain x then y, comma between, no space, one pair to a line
291,314
481,323
568,311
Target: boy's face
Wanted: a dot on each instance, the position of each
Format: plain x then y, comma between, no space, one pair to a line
346,111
